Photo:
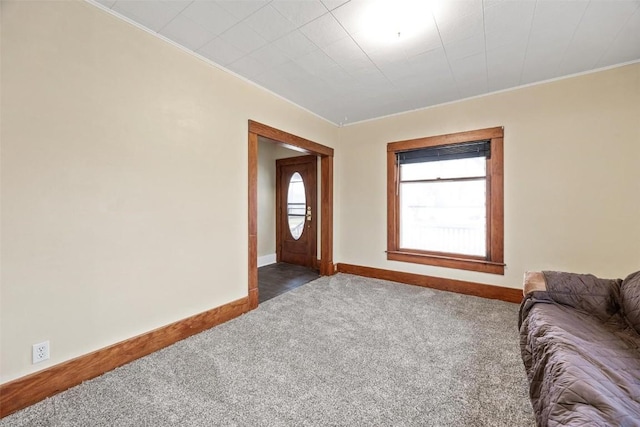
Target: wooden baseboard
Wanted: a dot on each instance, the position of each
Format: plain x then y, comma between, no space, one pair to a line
450,285
327,269
25,391
253,298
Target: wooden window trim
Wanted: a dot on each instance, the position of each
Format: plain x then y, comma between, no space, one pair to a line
494,261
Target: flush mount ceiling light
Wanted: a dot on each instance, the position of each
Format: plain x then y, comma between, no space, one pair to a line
389,21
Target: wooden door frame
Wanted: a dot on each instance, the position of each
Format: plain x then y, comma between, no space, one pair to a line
304,146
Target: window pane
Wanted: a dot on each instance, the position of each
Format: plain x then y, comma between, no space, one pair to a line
460,168
444,217
296,202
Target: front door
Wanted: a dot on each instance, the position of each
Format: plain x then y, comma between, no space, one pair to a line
296,230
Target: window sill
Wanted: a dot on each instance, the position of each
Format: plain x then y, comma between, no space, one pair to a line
482,266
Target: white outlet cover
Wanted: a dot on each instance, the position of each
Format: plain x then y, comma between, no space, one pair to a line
40,352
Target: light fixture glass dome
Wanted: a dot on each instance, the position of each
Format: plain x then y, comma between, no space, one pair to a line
387,21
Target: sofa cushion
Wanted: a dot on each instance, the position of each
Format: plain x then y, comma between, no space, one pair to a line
630,300
581,371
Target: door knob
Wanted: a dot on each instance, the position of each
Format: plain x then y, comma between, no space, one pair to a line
308,213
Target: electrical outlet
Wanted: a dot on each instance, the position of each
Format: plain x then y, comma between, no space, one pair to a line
40,352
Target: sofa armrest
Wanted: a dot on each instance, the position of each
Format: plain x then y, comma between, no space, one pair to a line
533,281
585,292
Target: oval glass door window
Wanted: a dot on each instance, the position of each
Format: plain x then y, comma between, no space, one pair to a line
296,203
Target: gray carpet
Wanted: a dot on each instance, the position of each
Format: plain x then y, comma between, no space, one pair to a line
339,351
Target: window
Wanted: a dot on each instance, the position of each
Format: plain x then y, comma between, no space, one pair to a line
445,201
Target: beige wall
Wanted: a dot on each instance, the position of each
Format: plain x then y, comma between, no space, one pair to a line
124,181
572,181
266,199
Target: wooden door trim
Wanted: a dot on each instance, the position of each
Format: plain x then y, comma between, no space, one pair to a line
287,162
327,268
305,146
290,140
253,220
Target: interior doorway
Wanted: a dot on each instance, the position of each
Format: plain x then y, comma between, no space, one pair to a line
304,146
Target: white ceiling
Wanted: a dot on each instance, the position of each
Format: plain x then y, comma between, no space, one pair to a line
316,54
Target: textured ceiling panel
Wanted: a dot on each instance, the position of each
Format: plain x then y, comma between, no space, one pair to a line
620,49
295,45
348,55
269,56
184,31
270,23
300,12
329,56
221,52
210,16
601,23
244,38
153,15
241,9
324,30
